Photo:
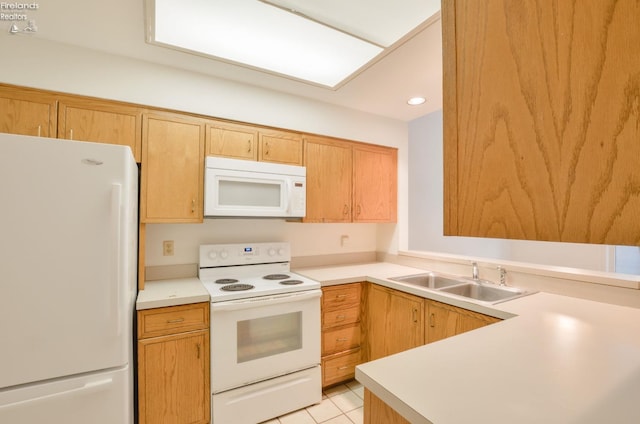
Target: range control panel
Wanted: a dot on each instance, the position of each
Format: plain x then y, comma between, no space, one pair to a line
217,255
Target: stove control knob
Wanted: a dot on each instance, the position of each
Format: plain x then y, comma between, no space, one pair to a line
271,251
281,251
213,255
224,254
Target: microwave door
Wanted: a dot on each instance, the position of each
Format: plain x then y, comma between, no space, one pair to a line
239,195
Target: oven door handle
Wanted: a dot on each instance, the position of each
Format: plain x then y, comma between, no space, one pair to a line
235,305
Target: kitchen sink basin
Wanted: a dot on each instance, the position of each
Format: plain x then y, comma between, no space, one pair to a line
484,293
429,280
477,290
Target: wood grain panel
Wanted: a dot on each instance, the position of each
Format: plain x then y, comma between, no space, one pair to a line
375,175
280,147
542,120
27,112
329,165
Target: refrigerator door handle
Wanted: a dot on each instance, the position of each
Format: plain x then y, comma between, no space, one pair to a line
116,224
91,386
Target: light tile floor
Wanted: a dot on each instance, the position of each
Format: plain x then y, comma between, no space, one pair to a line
342,404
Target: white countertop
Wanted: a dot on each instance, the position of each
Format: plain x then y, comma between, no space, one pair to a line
557,360
160,293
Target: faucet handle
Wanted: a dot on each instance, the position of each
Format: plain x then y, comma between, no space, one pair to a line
503,275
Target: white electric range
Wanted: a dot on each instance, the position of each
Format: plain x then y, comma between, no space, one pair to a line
265,332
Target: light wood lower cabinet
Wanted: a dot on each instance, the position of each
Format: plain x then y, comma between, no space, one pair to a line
394,321
378,412
389,330
173,365
444,320
341,332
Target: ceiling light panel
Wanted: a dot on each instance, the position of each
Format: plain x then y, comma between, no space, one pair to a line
256,34
382,22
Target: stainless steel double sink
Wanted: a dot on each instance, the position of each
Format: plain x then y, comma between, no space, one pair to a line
478,290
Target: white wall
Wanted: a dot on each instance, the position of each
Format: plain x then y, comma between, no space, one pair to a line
33,62
426,215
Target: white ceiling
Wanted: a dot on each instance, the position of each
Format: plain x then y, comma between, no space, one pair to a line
412,67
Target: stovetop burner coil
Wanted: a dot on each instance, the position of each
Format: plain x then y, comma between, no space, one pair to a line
276,277
291,282
226,281
237,287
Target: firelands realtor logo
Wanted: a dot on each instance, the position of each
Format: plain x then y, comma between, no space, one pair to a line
12,11
18,15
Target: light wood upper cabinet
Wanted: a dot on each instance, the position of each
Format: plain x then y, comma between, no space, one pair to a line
281,147
329,173
375,176
395,321
102,122
172,169
27,112
541,112
232,141
349,181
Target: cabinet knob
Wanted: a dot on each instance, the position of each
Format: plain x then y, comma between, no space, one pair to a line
345,210
193,205
248,146
266,152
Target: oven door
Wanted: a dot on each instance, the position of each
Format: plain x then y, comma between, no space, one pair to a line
263,337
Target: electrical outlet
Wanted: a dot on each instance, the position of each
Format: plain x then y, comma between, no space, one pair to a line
167,248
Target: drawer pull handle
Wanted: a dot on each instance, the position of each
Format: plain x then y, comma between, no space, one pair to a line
341,317
342,339
198,349
248,146
432,320
175,321
343,368
341,296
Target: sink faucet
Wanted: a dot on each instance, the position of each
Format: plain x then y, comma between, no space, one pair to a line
474,271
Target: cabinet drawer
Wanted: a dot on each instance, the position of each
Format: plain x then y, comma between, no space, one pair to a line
334,341
339,297
339,368
341,317
173,319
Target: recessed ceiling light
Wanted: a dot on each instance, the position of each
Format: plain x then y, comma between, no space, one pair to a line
415,101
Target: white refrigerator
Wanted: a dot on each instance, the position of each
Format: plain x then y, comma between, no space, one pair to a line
68,243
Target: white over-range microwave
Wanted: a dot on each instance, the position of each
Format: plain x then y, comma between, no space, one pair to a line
241,188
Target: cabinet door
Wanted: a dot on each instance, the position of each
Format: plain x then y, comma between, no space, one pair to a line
172,169
173,385
394,322
101,122
280,147
375,176
27,113
329,165
541,123
232,141
445,321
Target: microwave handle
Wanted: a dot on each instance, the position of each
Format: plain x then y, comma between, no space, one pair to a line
287,196
236,305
